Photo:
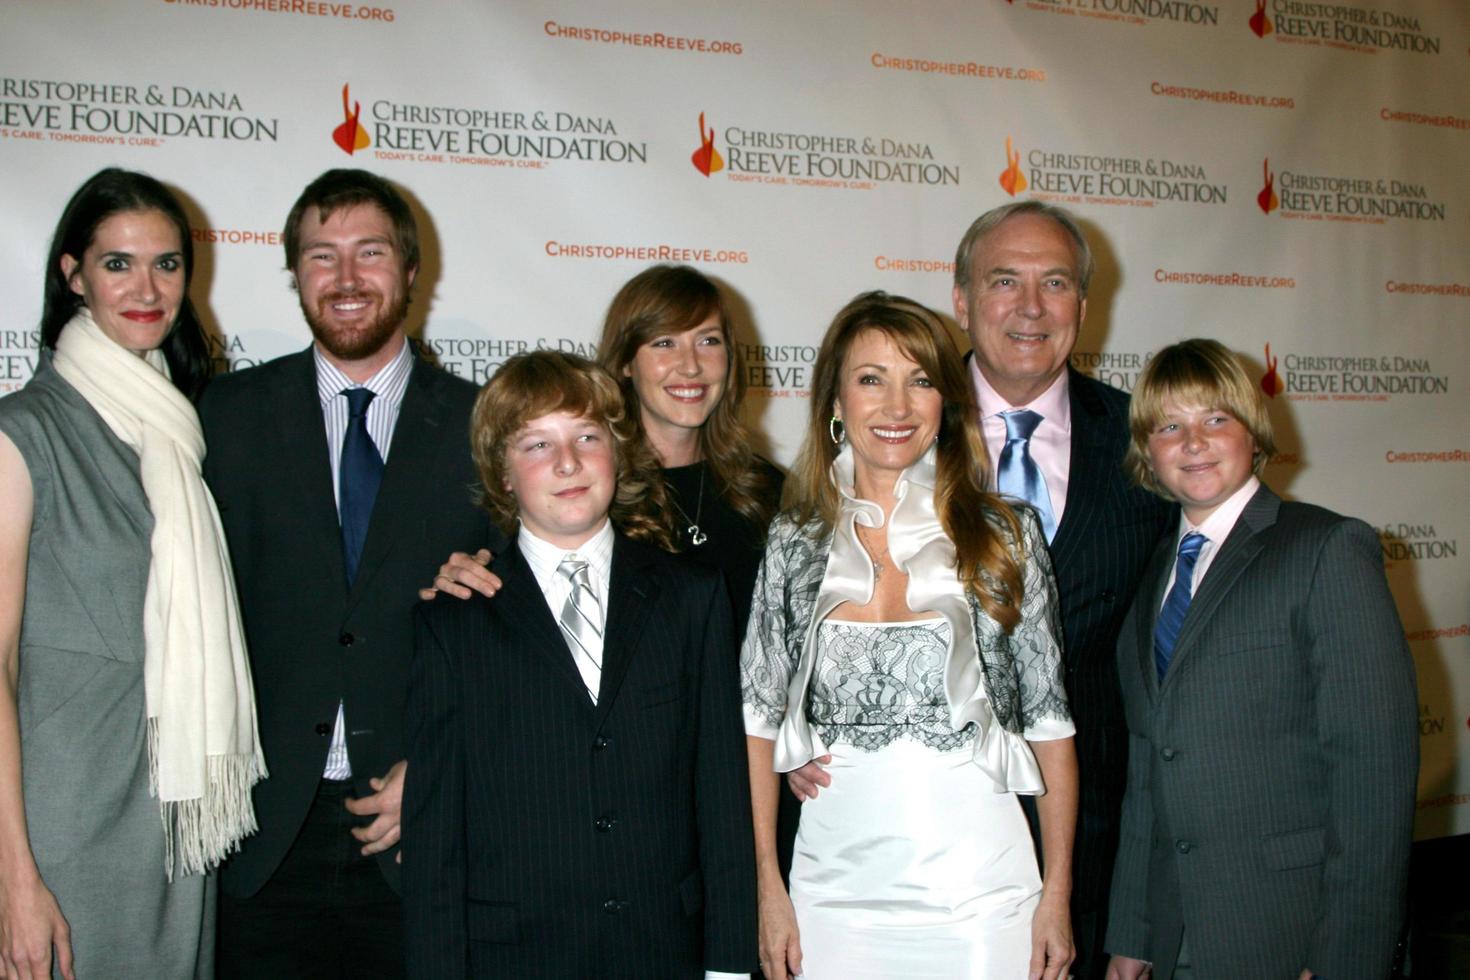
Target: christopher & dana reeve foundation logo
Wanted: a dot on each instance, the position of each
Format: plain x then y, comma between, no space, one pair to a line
111,113
1259,22
1336,25
1328,197
1069,177
1135,12
1332,377
520,138
707,159
1012,180
804,159
350,136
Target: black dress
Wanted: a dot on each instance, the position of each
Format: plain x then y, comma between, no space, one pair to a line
735,546
731,543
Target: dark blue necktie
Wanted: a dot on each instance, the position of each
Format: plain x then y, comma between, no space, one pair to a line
1018,475
1176,604
358,477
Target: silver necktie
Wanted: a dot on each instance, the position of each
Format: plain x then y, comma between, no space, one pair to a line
581,618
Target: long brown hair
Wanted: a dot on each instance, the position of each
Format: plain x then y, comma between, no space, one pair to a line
671,299
538,383
972,517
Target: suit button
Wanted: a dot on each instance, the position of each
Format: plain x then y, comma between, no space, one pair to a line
1109,595
612,906
1167,753
322,728
604,824
600,742
1183,846
346,639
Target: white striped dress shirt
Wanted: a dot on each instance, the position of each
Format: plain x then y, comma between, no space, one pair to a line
387,386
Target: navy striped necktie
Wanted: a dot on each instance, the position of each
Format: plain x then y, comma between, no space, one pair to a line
1176,604
358,478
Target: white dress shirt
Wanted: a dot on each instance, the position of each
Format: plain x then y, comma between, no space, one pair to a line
387,386
545,558
1050,444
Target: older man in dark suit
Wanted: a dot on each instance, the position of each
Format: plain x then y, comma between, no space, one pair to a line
1057,438
342,474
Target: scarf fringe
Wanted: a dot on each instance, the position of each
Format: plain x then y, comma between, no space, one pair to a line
200,833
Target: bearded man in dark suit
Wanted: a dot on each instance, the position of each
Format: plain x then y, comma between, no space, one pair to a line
342,474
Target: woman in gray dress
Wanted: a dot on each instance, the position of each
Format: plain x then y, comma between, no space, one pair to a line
127,723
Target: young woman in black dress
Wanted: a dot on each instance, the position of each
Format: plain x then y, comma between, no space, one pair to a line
667,338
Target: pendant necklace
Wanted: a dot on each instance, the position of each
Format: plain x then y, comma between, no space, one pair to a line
696,536
878,563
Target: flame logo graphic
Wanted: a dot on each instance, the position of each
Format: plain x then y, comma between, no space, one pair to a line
1260,23
1011,178
350,136
707,159
1267,199
1271,382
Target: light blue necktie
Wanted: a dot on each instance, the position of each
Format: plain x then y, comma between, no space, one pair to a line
358,477
1176,604
1018,475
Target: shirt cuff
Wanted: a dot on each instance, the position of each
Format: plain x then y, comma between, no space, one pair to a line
757,725
717,975
1050,729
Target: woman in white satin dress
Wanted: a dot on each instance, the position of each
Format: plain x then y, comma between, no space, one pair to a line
904,632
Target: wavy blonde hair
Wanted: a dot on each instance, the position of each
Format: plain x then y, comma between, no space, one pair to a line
1202,374
981,524
539,383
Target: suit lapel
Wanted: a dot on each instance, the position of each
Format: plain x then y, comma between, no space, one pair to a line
416,441
631,595
521,604
1240,549
1149,598
303,457
1087,472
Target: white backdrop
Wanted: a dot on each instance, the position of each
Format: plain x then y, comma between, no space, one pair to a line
1287,176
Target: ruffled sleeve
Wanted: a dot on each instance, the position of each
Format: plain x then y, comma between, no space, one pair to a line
768,656
1036,642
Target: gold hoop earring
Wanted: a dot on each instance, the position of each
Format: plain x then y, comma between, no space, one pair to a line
837,430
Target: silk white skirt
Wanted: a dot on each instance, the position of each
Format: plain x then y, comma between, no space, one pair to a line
911,865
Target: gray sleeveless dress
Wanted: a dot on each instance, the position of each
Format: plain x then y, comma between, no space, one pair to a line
95,831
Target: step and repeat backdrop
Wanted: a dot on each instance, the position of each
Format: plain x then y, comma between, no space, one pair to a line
1288,176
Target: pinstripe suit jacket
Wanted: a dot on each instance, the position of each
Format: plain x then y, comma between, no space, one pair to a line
1271,776
554,838
1108,531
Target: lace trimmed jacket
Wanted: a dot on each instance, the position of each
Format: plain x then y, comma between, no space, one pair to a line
1008,686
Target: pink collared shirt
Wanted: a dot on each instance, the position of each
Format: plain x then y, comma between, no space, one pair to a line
1216,528
1051,443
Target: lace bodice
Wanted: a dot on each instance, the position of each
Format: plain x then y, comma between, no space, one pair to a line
878,682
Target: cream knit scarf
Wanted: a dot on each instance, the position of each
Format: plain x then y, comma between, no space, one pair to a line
203,750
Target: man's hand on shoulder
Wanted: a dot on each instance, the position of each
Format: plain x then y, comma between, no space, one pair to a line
463,575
